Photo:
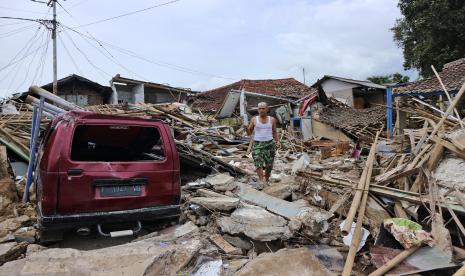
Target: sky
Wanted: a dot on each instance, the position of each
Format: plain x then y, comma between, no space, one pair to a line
199,44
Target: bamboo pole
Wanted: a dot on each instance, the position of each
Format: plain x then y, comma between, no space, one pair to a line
356,237
448,111
395,261
456,219
447,94
358,193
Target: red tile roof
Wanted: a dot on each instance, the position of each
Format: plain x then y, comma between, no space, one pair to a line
288,88
452,75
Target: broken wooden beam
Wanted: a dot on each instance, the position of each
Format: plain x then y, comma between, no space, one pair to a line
393,262
448,145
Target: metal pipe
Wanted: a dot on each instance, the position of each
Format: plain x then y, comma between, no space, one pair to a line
54,98
33,127
46,110
30,167
389,112
31,100
45,113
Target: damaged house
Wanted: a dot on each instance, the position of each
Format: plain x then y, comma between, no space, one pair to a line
127,90
81,91
354,93
350,110
225,101
426,93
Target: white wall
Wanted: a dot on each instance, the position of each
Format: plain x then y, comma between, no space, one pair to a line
139,93
340,90
124,93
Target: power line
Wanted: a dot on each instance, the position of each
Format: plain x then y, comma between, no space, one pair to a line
17,31
31,40
17,67
13,9
44,58
126,14
69,55
132,54
12,61
21,59
28,50
31,62
77,4
84,55
19,18
158,63
111,57
16,23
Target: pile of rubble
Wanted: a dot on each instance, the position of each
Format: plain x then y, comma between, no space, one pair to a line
395,209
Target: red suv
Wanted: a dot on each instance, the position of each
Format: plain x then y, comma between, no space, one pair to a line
96,169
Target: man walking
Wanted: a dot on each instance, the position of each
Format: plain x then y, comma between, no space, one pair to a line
264,148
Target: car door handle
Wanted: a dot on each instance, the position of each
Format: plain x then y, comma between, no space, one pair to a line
74,172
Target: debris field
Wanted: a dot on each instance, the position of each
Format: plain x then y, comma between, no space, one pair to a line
396,208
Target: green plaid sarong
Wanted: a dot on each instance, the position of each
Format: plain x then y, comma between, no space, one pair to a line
263,154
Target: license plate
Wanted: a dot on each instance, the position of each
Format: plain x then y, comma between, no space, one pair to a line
124,190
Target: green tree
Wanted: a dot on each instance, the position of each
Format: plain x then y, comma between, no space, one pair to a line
399,78
387,79
430,32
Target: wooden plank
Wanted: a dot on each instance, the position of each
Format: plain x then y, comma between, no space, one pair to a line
398,175
3,163
412,141
436,155
456,219
390,192
448,145
12,140
448,95
224,245
423,137
399,210
366,174
361,215
458,139
448,111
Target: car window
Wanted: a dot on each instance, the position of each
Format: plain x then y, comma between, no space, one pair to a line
112,143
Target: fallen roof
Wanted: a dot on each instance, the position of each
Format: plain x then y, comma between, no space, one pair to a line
364,83
288,88
120,79
357,123
452,75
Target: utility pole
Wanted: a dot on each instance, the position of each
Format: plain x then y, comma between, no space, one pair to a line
54,37
54,23
303,73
